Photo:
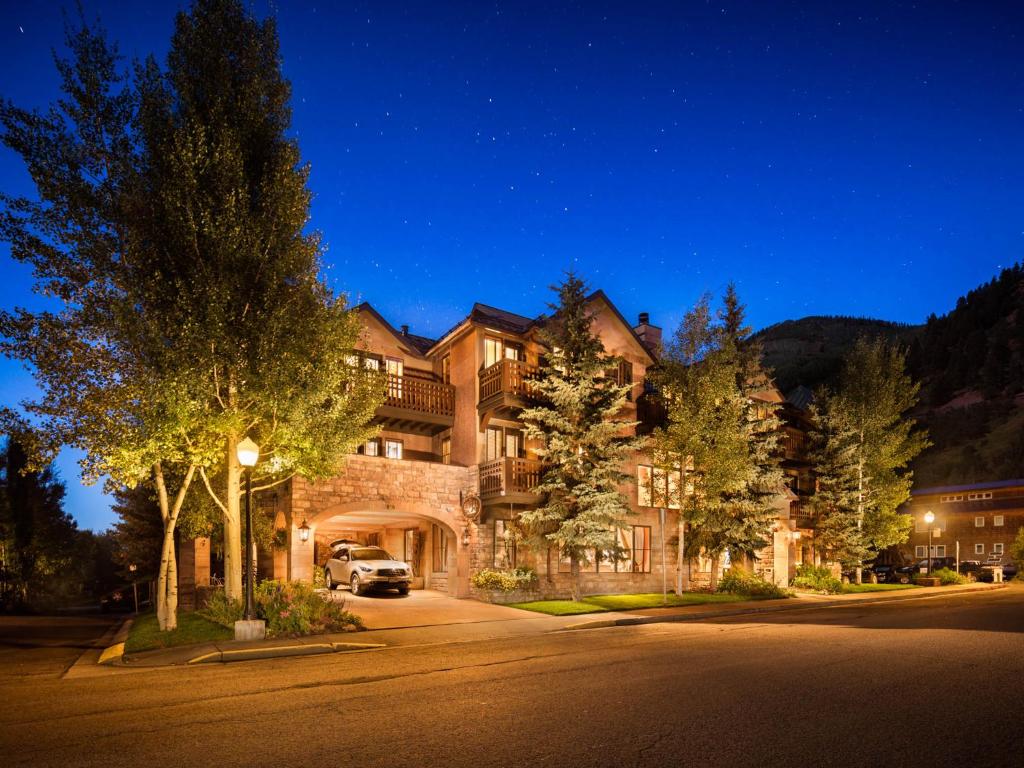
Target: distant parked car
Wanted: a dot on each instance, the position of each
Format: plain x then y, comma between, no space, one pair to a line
906,573
883,572
987,571
366,568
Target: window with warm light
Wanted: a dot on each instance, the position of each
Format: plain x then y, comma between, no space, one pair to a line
439,548
446,450
393,449
997,521
656,487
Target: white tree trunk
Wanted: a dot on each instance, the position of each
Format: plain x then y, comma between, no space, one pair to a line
167,577
682,580
233,524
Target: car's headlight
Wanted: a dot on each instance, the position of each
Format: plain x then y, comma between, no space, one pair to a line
365,569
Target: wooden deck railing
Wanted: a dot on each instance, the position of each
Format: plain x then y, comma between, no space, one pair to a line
512,377
420,395
502,477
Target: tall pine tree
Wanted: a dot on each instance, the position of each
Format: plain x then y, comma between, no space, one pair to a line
581,437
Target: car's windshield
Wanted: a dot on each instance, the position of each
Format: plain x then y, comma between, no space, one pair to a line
370,553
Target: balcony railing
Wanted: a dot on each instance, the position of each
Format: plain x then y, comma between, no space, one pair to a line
420,395
509,476
511,377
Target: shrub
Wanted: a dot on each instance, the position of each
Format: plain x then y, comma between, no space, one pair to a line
289,608
946,576
817,578
220,610
737,581
295,608
504,581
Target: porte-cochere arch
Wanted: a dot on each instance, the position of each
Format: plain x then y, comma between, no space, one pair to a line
381,500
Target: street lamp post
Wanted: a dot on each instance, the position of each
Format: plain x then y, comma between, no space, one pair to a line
248,454
132,567
929,518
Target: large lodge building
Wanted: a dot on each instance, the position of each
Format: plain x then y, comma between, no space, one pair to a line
441,485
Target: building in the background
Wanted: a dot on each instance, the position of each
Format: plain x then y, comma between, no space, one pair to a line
978,521
442,485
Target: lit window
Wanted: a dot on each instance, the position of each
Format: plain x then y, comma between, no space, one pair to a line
446,451
393,449
439,548
997,549
642,548
446,369
979,522
657,487
372,448
643,486
979,549
997,521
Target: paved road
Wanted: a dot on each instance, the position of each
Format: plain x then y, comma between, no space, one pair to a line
922,683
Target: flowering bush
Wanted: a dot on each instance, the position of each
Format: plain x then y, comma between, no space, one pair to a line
947,576
289,608
503,581
817,578
738,581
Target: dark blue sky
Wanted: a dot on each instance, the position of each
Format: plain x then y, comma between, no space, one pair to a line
866,159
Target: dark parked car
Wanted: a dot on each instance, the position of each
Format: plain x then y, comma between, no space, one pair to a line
986,572
883,572
905,574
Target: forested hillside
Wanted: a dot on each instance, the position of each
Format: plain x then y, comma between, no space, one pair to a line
970,363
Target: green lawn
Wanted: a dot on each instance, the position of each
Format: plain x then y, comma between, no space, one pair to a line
145,634
602,603
849,589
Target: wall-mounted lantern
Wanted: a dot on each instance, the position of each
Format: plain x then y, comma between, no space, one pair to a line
304,531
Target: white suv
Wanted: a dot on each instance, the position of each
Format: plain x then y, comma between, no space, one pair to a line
365,568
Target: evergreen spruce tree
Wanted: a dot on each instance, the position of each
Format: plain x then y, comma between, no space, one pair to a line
870,410
754,505
833,453
721,433
581,437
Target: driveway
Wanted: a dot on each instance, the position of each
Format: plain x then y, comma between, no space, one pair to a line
423,608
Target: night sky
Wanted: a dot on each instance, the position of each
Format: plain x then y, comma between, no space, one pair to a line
866,159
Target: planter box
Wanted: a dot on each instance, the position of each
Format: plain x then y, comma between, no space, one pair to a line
503,598
927,581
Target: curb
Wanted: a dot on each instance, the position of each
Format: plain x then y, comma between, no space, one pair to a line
628,621
113,653
281,652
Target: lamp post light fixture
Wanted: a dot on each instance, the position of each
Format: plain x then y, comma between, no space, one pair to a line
248,454
132,567
304,531
929,518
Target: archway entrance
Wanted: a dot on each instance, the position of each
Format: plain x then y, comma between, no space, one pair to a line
410,533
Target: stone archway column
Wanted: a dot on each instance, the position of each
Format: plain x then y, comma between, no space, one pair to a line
458,582
300,554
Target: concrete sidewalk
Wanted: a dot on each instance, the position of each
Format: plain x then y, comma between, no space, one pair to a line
509,623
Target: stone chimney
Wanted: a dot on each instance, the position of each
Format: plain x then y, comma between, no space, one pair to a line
405,330
649,334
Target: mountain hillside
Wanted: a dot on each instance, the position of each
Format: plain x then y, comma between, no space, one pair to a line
810,350
970,363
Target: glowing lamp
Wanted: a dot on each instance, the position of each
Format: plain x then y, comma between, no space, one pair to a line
304,531
248,452
929,517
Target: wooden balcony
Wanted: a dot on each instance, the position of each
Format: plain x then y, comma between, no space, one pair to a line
505,387
510,481
420,406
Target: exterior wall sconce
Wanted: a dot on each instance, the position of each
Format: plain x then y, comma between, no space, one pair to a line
796,535
304,531
465,536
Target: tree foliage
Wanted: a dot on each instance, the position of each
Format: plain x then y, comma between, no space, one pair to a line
865,442
581,435
721,430
187,308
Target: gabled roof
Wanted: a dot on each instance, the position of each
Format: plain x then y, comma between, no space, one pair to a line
800,397
418,345
599,294
503,319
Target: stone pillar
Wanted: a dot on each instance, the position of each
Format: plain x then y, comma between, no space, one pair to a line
300,554
193,571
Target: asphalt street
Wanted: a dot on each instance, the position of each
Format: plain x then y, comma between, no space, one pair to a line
932,683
